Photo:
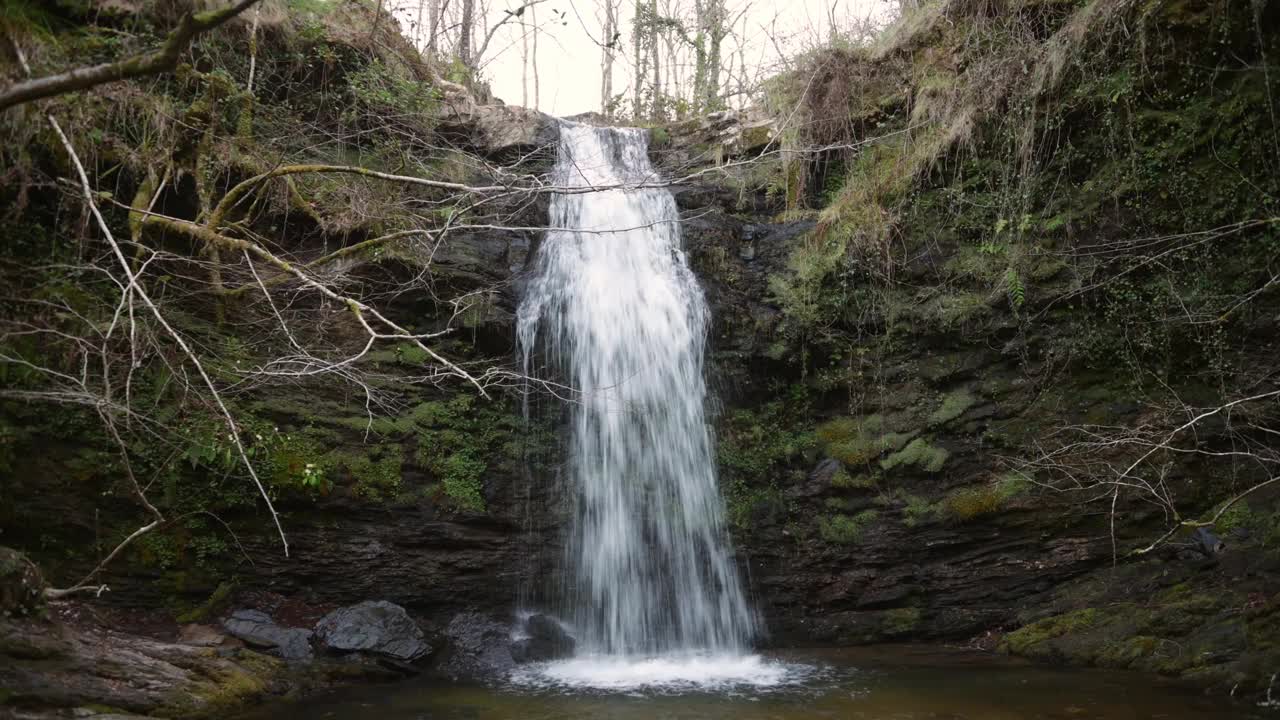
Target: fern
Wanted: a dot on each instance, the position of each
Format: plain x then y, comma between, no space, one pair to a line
1013,286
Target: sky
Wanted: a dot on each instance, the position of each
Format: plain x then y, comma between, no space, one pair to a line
569,58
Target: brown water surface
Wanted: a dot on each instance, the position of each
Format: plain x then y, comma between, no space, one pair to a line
881,683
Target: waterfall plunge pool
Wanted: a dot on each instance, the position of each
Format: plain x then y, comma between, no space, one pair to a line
868,683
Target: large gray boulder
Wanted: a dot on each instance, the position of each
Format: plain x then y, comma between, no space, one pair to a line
544,639
478,645
494,129
373,626
257,629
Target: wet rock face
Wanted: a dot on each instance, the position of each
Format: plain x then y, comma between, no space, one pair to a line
476,645
546,640
376,627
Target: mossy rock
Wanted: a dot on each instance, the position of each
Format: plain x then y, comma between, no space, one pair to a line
858,440
917,454
1027,640
972,502
845,529
953,406
21,585
900,621
228,688
217,602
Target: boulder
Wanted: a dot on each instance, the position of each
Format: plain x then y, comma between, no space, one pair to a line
496,130
544,639
478,646
378,627
200,635
1207,542
21,585
258,630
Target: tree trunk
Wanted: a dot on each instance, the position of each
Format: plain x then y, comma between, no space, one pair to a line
433,26
524,65
607,50
465,29
637,44
654,45
533,57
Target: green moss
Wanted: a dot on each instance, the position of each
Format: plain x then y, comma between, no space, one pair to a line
1024,640
376,472
843,480
918,510
230,688
918,454
462,475
1125,653
1263,526
858,440
899,621
953,406
845,529
216,603
847,428
411,354
971,502
755,451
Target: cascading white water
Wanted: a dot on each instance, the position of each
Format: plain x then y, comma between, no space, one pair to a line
614,305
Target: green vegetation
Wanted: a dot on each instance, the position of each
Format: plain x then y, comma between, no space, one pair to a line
843,480
1021,641
754,451
900,621
845,529
1263,526
333,83
858,441
918,510
210,608
918,454
971,502
953,406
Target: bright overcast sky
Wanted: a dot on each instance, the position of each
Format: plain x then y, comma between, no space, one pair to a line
569,59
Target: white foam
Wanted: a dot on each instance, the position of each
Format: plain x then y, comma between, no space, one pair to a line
668,673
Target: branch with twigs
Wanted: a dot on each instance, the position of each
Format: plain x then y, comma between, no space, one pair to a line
1106,463
164,59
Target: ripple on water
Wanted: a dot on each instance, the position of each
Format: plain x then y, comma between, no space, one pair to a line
664,674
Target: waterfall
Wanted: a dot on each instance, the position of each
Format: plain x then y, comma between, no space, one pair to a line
615,308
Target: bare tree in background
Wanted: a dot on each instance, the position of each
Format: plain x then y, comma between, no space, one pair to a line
608,47
465,29
712,27
533,58
433,26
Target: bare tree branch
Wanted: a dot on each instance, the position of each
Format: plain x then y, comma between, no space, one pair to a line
150,63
